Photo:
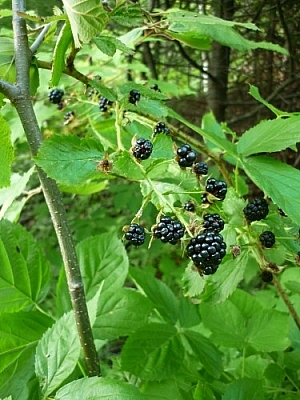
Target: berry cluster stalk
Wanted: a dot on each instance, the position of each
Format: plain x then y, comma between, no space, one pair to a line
19,94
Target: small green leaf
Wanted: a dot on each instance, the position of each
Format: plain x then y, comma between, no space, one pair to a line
188,313
6,153
127,14
256,95
270,136
63,42
192,39
70,160
102,258
277,180
163,390
24,272
120,312
57,354
245,389
87,19
98,388
125,166
34,76
159,293
153,352
105,91
162,147
109,45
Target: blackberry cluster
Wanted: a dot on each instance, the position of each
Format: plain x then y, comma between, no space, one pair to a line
142,149
216,188
213,223
135,234
93,94
134,96
155,87
200,168
186,156
189,206
104,103
207,250
160,127
69,116
267,239
168,230
55,96
256,210
266,276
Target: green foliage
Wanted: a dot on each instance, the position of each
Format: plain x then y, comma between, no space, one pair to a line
163,329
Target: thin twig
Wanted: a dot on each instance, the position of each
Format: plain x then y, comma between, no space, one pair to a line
39,40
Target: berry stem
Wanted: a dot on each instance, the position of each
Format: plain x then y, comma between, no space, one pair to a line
119,117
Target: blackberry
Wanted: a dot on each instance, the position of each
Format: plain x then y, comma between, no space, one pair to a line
213,223
256,210
134,96
69,116
216,188
55,96
142,149
267,239
186,156
168,230
93,94
266,276
204,199
135,234
200,168
155,87
160,127
207,250
60,106
189,206
104,103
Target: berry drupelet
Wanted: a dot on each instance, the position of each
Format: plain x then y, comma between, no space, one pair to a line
256,210
267,239
213,223
189,206
142,149
168,230
200,168
135,234
207,250
134,96
216,188
55,96
160,127
186,156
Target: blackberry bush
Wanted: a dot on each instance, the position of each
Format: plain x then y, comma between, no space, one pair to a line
168,230
256,210
213,223
207,250
135,234
142,149
55,96
134,96
267,239
200,168
216,188
186,156
160,127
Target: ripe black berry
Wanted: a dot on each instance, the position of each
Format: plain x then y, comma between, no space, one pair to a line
168,230
189,206
160,127
256,210
207,250
135,234
134,96
69,116
93,94
155,87
216,188
186,156
267,239
200,168
142,149
213,223
55,96
266,276
104,103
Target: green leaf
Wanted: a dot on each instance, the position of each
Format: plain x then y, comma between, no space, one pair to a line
71,160
125,166
162,147
98,388
87,19
34,76
109,45
192,39
105,91
256,95
206,352
63,42
102,258
24,272
20,333
57,354
153,352
158,292
120,312
88,188
163,390
6,153
270,136
127,14
277,180
245,389
188,313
